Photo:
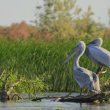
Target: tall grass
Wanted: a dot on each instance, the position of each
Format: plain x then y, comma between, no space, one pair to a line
31,59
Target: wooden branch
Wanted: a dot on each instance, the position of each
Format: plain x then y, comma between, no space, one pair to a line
104,96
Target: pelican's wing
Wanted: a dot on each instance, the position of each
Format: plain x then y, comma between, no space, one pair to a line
83,76
100,55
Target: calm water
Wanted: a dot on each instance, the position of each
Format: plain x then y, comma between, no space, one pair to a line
51,105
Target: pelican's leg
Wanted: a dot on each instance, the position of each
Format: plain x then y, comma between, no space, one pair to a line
80,91
97,85
99,70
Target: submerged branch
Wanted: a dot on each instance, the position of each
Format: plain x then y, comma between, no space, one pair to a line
102,97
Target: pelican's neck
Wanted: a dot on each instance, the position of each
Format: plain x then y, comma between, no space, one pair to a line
100,42
76,59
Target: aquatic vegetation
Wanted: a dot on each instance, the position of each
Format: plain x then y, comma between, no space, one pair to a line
39,65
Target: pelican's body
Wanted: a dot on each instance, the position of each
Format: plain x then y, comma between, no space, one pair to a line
84,77
98,54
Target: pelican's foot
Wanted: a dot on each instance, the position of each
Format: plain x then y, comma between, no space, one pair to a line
93,92
97,92
102,72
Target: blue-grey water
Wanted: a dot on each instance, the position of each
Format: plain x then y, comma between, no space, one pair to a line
51,105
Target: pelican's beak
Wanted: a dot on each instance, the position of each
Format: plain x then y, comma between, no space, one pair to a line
71,54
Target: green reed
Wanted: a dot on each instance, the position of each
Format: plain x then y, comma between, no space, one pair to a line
41,63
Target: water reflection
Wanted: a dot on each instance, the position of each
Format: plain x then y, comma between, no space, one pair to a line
50,105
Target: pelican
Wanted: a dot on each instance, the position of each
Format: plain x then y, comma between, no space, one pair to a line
98,54
83,76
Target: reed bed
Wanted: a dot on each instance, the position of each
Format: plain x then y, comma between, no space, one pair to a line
41,64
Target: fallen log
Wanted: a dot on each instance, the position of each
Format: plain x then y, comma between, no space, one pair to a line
46,97
102,97
81,99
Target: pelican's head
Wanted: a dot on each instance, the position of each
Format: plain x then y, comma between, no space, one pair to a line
96,42
79,49
81,46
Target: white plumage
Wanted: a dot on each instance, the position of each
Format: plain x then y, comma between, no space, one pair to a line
97,53
83,76
100,55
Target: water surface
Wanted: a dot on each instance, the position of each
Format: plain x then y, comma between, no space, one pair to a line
51,105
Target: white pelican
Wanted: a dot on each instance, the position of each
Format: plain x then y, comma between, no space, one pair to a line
83,76
98,54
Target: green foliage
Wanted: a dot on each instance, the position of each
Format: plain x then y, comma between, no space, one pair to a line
65,20
18,60
86,27
38,65
57,18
